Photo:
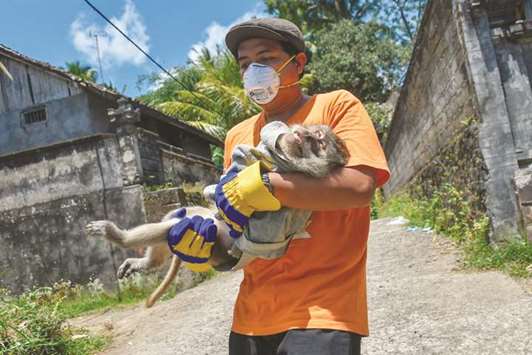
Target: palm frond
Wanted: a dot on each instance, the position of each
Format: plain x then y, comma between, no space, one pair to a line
213,130
188,112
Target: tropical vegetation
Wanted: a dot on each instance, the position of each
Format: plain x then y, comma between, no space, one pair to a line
84,72
358,45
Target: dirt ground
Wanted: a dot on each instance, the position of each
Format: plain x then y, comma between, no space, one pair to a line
419,303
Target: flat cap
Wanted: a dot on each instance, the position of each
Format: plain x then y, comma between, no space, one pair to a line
271,28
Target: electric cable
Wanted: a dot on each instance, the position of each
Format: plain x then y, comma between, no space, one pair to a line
139,48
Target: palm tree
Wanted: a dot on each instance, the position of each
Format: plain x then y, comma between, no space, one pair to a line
213,98
84,72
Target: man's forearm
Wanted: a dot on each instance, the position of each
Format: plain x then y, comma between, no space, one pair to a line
343,188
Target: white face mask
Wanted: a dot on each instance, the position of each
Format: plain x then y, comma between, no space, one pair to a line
262,82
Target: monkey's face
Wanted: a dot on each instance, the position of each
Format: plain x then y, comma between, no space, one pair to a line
313,149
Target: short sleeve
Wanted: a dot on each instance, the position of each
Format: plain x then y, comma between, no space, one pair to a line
350,122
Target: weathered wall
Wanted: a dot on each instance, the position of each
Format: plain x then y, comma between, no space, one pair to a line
460,165
67,118
31,85
179,168
158,203
75,168
514,59
163,163
496,140
469,65
47,197
435,99
150,156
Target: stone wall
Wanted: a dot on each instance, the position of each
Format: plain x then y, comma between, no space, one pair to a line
47,196
158,203
461,165
471,63
164,163
71,168
523,186
514,59
435,100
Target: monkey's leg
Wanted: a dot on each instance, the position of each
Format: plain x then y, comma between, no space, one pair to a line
155,256
144,235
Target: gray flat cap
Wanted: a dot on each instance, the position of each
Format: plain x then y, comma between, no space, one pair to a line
271,28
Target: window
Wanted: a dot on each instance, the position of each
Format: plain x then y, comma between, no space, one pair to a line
34,115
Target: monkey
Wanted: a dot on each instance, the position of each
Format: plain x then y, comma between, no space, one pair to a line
313,150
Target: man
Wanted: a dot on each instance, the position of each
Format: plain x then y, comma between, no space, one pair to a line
313,299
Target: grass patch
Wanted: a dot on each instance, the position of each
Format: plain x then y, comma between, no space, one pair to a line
447,212
35,322
79,299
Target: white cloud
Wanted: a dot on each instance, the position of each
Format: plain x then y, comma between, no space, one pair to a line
114,48
216,33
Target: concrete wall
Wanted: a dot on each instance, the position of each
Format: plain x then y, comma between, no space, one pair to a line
514,59
162,163
47,197
179,168
75,168
434,100
67,118
466,108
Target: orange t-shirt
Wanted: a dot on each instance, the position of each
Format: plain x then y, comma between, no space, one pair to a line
320,282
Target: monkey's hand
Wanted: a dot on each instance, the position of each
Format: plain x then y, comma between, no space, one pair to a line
239,194
105,229
191,239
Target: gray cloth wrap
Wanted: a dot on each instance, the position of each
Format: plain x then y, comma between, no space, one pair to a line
268,233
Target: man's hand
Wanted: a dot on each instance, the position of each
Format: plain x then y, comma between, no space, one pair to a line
191,239
239,194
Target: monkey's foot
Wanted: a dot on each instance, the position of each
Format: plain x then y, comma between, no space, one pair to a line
130,266
104,229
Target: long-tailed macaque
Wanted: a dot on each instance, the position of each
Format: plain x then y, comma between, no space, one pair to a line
313,150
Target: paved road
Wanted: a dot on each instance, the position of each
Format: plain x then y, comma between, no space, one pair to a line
419,302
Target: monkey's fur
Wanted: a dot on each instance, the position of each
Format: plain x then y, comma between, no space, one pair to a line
313,150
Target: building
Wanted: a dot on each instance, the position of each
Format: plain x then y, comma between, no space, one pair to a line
464,115
72,152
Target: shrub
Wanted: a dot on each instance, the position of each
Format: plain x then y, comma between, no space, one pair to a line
33,324
448,212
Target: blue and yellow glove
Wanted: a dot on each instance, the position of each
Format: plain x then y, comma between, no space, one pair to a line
239,194
191,239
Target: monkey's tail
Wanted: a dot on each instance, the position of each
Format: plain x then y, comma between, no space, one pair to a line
168,278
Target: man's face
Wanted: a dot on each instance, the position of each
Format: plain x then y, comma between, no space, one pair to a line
270,52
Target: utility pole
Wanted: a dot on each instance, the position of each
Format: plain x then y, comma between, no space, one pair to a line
95,35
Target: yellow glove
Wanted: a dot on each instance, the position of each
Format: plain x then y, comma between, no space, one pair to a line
239,194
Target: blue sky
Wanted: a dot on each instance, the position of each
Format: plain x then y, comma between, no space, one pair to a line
57,31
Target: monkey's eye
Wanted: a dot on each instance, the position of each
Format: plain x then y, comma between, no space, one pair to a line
320,134
300,150
315,146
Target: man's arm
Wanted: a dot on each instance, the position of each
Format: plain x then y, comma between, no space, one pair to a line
344,188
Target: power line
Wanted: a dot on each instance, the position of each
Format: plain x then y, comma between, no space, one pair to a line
139,48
